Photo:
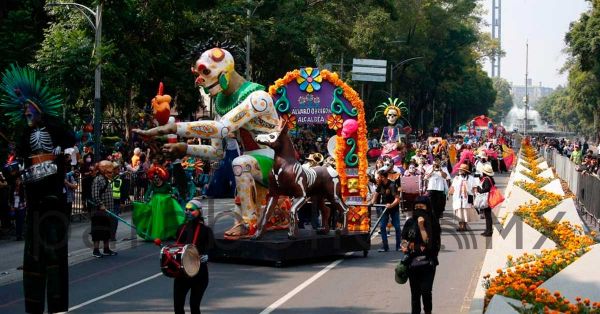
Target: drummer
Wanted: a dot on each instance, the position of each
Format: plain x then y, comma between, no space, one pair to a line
203,243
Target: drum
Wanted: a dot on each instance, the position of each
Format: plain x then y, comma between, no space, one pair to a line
410,192
180,260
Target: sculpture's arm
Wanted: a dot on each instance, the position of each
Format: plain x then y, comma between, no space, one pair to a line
255,105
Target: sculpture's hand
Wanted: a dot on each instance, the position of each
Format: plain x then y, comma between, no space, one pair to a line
159,130
175,149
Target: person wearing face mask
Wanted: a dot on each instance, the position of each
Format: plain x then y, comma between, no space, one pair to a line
196,232
462,191
160,215
421,245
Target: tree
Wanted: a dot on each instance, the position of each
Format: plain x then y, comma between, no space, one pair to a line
583,40
503,102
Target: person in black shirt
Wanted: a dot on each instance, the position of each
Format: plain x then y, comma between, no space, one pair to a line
387,193
203,243
422,240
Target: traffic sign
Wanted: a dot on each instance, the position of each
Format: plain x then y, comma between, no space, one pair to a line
369,70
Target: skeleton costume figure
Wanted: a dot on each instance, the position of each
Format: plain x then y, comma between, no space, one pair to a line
244,110
35,111
390,137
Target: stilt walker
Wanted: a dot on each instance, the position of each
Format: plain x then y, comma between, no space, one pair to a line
35,112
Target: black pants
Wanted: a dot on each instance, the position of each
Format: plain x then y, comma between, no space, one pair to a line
438,202
487,212
421,285
197,285
45,263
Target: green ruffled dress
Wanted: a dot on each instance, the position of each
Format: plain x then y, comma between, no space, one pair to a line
160,217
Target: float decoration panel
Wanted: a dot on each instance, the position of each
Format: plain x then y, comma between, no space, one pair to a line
314,96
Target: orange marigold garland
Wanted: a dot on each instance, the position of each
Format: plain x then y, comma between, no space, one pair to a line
354,98
530,271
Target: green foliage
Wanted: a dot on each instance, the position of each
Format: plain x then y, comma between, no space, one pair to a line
145,42
503,102
583,41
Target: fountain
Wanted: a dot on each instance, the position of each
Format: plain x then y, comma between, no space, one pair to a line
515,119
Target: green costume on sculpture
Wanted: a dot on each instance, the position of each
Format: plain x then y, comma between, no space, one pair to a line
160,217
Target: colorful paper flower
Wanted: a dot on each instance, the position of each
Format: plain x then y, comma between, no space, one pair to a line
290,120
334,122
310,80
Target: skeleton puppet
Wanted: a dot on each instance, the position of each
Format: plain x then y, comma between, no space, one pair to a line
244,109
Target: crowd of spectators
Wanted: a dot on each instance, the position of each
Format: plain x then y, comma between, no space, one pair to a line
580,153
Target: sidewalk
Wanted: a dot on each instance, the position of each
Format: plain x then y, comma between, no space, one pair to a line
79,248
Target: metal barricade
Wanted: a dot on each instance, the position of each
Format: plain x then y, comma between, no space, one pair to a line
585,187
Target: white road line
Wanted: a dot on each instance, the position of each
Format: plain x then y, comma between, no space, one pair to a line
114,292
305,284
301,287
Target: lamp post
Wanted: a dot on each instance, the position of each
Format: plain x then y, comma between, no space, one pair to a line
393,67
526,83
95,20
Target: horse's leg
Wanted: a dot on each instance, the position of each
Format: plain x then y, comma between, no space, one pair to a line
325,216
337,201
245,169
296,204
266,214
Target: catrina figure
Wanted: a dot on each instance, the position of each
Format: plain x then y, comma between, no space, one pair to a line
161,215
391,135
35,113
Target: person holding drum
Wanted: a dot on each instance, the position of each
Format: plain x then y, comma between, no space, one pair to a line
196,233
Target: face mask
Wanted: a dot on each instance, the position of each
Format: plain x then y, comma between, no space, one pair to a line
189,216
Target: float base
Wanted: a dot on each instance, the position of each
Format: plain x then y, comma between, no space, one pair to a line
275,247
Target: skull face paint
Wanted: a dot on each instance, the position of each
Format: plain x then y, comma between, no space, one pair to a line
213,70
32,114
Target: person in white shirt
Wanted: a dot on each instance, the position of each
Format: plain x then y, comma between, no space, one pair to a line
437,185
482,160
74,153
463,191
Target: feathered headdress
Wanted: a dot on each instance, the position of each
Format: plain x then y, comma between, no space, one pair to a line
390,104
22,86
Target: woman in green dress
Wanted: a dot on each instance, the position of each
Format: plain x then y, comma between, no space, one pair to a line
161,215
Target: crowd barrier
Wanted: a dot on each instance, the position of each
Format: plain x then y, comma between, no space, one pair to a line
585,187
133,191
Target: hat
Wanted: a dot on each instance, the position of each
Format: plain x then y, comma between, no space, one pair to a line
464,167
482,154
487,170
316,157
422,200
401,273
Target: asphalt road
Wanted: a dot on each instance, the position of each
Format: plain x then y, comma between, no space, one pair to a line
131,282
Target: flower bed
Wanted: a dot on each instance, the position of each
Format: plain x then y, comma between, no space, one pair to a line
526,273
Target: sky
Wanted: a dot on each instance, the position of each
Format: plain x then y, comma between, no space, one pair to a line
544,23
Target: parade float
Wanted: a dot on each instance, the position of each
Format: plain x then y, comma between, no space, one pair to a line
265,214
309,96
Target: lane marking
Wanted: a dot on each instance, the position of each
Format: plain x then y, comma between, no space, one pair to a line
305,284
114,292
302,286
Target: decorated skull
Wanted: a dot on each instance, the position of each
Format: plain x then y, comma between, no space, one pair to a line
213,70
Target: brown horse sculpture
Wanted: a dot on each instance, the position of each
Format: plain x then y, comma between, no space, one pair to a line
289,178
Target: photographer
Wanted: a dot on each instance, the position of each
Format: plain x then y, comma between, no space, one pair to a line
437,185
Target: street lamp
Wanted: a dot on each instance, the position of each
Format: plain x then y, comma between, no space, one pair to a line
97,26
393,67
250,13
